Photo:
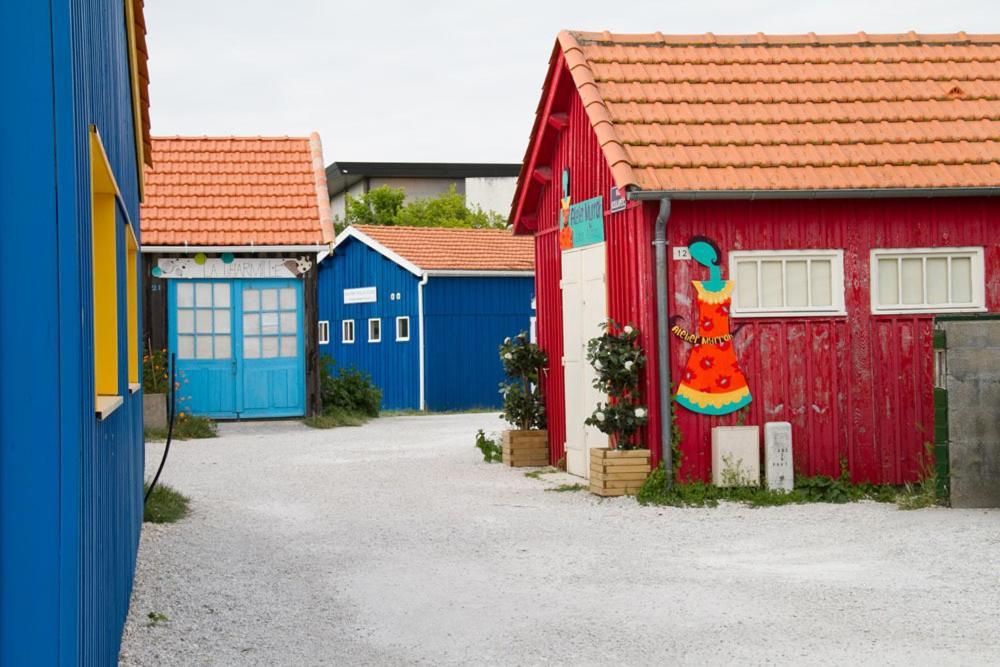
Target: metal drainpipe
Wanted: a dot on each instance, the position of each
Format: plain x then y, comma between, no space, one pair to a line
663,340
421,346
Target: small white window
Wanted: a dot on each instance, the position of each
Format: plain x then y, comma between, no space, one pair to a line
324,332
402,328
375,330
347,331
922,280
787,283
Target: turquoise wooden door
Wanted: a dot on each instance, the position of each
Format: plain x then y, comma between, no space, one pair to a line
271,364
239,345
201,333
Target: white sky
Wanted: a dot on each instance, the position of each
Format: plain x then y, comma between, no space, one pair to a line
429,80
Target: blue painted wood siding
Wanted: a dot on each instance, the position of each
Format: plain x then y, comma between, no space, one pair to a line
465,320
70,486
393,365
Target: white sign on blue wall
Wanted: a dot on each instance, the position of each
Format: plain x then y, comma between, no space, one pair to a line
361,295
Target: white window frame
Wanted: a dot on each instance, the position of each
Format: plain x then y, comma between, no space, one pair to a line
344,325
323,333
975,253
834,255
402,339
373,339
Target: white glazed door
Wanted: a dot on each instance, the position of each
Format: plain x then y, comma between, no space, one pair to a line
584,301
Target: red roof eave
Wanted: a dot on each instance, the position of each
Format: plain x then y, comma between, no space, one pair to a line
526,193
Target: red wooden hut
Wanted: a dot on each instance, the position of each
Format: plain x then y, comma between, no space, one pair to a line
850,184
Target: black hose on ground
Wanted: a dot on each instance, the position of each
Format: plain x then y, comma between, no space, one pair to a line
171,407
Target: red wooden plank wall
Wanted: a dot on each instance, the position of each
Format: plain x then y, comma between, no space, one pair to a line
858,387
630,277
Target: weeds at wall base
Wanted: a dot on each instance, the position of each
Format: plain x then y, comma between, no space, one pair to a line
818,489
186,427
335,418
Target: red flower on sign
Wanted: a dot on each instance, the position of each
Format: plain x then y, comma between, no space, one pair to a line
689,375
723,310
724,345
707,324
707,362
723,381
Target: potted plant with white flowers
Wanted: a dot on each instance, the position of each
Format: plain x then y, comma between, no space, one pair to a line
618,359
527,443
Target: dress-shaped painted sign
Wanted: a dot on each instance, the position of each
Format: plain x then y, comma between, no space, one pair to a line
712,382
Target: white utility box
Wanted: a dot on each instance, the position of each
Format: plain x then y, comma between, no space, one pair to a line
778,456
736,455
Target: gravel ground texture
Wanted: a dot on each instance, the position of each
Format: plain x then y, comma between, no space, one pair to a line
394,543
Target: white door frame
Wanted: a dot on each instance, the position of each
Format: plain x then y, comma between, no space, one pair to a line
584,307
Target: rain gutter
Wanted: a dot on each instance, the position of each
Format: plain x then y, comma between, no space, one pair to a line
839,193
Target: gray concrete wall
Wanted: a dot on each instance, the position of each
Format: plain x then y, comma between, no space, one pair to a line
420,188
973,384
491,193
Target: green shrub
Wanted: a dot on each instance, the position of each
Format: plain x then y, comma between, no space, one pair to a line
165,505
348,390
523,406
155,374
617,359
492,452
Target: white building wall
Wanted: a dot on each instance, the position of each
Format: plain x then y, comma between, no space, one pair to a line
338,203
490,193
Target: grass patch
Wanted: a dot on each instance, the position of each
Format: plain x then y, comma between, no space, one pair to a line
923,494
819,489
165,505
186,427
563,488
335,418
537,474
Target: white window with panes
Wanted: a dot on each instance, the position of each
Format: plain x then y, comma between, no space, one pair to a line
203,320
270,323
927,280
403,328
347,331
375,330
787,283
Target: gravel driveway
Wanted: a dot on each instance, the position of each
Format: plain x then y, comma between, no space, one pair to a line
394,543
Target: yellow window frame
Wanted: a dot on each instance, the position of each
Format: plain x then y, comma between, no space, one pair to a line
132,306
104,228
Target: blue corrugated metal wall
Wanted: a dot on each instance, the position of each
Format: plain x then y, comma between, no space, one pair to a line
393,366
70,486
465,320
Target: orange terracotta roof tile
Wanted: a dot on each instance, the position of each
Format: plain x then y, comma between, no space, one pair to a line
769,112
457,249
142,67
236,191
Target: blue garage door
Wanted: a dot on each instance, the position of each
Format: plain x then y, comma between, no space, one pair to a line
239,346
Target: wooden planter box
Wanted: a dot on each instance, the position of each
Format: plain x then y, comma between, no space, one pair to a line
618,472
523,449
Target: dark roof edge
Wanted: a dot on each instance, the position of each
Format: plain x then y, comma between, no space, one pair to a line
342,175
839,193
